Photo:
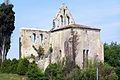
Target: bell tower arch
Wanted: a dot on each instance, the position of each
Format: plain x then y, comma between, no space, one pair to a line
63,17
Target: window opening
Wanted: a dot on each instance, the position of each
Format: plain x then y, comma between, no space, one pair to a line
83,59
33,37
68,20
87,58
41,38
61,20
64,11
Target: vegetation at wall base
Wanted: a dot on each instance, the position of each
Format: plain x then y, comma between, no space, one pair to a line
60,71
22,66
34,73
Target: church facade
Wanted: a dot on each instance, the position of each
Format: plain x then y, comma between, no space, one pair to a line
67,39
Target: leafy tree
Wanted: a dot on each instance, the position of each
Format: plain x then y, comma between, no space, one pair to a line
75,43
22,66
7,19
40,51
50,52
112,56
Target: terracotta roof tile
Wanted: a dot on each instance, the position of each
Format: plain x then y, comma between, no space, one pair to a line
74,26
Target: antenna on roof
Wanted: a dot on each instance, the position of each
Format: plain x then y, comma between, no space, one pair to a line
6,2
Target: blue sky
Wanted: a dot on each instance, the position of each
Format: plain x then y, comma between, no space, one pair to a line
103,14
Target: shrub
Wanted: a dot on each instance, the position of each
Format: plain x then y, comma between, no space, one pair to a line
54,72
14,65
107,72
34,73
75,74
6,66
117,70
22,66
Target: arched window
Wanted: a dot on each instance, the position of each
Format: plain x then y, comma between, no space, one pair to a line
33,37
61,19
54,24
64,11
83,58
41,38
68,20
87,51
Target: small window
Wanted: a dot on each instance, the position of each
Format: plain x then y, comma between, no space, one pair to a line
86,31
41,38
83,58
53,23
68,20
33,37
87,58
60,52
61,19
64,11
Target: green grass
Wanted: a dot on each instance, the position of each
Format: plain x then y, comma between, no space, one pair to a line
4,76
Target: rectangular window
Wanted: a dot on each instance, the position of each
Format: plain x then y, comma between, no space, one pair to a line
87,58
83,59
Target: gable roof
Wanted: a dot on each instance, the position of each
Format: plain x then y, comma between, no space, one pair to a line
75,26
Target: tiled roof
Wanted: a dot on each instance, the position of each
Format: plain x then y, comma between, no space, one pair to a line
74,26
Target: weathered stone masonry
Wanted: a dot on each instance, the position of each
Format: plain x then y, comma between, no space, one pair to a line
65,38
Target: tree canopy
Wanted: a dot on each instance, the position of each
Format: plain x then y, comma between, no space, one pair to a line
7,19
112,56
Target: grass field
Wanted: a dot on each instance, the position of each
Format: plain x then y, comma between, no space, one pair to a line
4,76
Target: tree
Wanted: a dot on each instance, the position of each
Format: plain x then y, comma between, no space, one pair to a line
70,47
112,56
40,51
7,19
74,43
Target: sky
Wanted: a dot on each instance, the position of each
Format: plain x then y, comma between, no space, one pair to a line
103,14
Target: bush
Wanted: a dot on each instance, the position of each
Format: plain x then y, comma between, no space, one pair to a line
22,66
54,72
88,74
34,73
75,74
117,70
107,72
6,66
14,65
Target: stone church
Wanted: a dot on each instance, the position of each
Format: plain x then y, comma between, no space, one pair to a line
67,39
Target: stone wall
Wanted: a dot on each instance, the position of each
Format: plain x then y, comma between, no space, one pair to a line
61,42
30,37
87,40
69,42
